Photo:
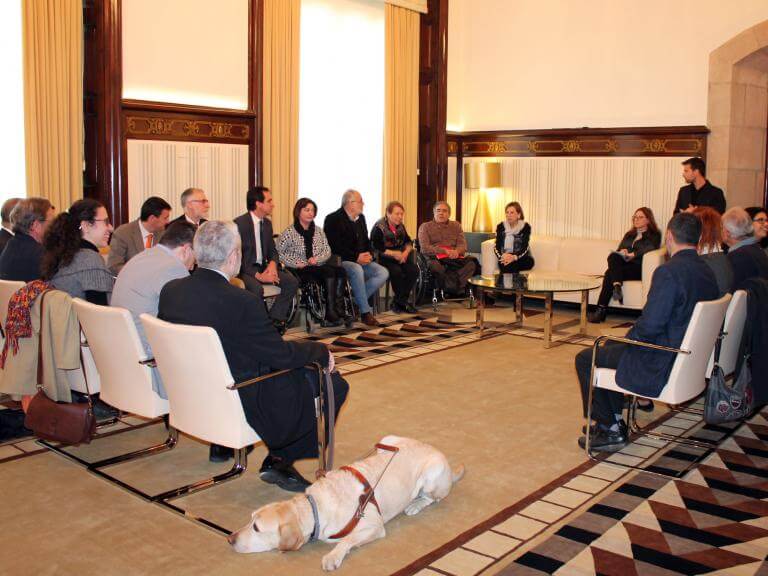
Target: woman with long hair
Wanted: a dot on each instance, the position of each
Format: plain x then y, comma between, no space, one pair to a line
710,247
513,235
393,247
626,262
760,224
72,261
304,248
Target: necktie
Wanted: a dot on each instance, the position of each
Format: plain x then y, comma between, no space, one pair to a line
257,230
148,243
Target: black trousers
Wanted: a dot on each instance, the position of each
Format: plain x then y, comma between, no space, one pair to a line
619,270
319,273
605,403
524,263
402,276
464,268
288,287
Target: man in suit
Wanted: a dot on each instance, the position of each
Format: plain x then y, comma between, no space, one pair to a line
698,191
676,288
22,255
6,231
261,263
281,410
133,237
196,206
347,235
138,286
747,257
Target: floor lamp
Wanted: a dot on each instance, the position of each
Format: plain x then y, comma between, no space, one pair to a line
481,176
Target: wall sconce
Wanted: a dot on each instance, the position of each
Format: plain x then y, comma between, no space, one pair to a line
481,176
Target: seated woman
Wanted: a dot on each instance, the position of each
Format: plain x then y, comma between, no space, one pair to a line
625,263
710,247
71,261
304,248
512,238
760,224
391,242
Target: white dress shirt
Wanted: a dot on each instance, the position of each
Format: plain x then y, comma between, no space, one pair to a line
257,234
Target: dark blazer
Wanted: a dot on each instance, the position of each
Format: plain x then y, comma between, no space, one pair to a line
748,262
521,248
648,241
4,237
755,339
278,409
707,195
21,259
676,288
249,266
721,267
342,235
183,218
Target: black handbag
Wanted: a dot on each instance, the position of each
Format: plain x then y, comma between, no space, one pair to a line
724,402
66,422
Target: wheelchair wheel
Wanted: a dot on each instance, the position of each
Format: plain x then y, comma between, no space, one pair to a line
424,288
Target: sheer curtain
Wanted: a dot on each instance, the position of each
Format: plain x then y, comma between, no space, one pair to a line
341,103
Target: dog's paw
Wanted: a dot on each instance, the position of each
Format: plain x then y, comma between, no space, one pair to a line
415,507
332,560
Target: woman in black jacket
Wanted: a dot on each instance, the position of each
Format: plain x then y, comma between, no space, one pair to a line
512,238
626,262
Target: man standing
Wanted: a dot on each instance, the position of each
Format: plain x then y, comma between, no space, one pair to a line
281,410
138,286
6,232
676,288
196,206
442,241
347,234
745,254
133,237
22,255
260,262
699,191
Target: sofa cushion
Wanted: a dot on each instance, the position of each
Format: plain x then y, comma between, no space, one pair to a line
546,252
582,256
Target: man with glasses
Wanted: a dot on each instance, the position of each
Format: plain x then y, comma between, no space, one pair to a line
196,206
347,234
21,258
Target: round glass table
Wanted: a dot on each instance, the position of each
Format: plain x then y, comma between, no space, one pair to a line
541,285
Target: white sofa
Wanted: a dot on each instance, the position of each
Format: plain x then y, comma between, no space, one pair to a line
580,256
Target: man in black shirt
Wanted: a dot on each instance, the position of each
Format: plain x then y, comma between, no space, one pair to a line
699,191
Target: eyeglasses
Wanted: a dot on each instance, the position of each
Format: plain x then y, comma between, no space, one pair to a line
206,201
760,220
105,220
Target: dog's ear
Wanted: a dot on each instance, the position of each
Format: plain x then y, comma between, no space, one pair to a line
289,530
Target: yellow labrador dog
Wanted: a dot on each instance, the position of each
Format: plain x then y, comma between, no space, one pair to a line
417,476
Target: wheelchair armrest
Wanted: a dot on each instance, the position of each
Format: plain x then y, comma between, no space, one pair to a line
251,381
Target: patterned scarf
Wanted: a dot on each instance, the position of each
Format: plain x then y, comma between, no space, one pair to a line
19,322
308,236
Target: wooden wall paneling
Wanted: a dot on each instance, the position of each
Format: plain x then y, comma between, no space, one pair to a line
433,70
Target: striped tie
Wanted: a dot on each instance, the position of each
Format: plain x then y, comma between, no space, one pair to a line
148,243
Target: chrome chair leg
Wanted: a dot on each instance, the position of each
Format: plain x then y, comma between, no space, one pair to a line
168,444
238,468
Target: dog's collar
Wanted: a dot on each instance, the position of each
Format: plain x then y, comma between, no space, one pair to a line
316,518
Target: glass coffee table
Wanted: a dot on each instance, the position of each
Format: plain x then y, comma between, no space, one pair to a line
541,285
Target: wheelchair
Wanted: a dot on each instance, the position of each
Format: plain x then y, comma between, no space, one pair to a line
312,298
426,285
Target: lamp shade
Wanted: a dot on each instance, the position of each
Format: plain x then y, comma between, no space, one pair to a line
482,175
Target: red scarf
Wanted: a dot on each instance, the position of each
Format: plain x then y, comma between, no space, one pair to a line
19,321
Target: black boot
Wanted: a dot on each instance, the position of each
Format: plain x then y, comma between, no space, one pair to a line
598,314
331,317
618,295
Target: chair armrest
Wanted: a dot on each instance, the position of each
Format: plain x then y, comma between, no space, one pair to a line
251,381
631,342
489,263
149,362
651,261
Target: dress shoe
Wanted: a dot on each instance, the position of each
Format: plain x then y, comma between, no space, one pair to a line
597,315
400,308
411,309
368,319
282,474
218,453
618,295
605,440
644,405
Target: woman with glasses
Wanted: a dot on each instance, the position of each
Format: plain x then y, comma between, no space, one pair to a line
72,261
760,224
625,263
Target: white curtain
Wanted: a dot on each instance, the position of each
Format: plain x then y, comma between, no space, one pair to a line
341,103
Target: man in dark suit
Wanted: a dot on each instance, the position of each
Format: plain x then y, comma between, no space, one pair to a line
6,232
131,238
698,191
676,288
261,263
281,410
747,257
22,255
196,206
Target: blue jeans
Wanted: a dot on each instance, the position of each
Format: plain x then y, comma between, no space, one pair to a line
365,281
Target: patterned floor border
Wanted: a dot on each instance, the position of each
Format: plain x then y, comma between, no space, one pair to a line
512,531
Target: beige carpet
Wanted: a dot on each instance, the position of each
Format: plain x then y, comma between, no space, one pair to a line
504,407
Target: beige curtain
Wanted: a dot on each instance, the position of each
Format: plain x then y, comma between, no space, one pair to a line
281,106
417,5
53,99
401,110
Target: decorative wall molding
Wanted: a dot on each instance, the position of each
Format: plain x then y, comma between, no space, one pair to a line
163,126
656,141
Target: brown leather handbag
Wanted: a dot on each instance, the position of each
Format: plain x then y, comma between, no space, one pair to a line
66,422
